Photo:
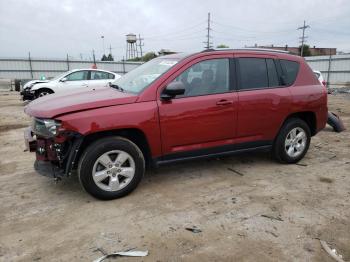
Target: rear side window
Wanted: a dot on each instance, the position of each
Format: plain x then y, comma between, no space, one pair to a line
291,69
253,73
100,75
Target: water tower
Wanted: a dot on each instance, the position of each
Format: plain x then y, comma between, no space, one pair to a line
131,48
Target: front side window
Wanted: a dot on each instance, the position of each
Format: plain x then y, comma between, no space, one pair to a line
253,73
141,77
77,76
207,77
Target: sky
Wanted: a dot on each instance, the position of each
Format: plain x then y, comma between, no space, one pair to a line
55,28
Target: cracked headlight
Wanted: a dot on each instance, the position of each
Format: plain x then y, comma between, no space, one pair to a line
45,127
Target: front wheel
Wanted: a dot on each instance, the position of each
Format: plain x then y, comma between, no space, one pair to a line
111,168
292,142
43,92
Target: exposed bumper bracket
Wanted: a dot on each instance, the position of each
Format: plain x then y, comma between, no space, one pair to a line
46,168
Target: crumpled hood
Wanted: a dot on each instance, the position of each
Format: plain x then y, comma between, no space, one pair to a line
57,104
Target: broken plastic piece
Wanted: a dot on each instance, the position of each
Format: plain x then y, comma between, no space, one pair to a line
335,122
332,252
132,253
193,229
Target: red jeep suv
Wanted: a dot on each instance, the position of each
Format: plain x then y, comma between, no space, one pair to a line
178,107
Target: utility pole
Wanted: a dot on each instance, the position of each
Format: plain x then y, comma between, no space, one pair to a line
140,44
207,43
103,44
302,39
110,51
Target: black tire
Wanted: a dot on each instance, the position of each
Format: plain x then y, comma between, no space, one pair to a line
279,150
97,149
43,92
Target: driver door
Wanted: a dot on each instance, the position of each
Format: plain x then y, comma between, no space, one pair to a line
74,81
204,118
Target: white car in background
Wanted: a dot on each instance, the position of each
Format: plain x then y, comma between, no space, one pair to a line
76,79
320,78
30,83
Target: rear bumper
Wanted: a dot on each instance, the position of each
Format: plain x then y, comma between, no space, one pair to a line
46,168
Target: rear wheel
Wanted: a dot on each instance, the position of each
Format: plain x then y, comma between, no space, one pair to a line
292,142
111,168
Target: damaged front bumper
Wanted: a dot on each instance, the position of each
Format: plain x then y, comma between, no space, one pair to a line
27,95
46,168
55,157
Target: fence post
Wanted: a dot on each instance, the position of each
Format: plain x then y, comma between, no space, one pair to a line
329,69
67,63
123,65
30,66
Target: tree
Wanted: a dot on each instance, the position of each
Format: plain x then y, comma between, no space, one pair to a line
110,57
306,50
222,46
104,58
148,56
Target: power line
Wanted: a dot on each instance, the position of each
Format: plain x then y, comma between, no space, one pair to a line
177,32
208,43
304,27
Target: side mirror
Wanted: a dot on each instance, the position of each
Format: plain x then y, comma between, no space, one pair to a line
173,89
64,79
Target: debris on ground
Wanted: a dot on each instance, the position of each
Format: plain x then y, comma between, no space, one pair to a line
193,229
271,233
235,171
339,90
300,164
326,180
131,253
332,252
273,217
101,250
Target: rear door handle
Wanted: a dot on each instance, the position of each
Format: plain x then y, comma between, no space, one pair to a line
224,102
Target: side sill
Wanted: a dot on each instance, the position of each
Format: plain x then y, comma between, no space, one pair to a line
159,162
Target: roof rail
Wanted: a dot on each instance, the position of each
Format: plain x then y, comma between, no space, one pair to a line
264,49
249,49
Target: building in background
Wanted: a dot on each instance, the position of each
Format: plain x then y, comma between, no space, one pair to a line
315,51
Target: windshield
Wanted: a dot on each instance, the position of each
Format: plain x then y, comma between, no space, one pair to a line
59,76
141,77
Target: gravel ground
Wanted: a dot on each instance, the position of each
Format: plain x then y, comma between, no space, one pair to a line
271,212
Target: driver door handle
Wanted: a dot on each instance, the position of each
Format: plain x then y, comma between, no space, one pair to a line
224,102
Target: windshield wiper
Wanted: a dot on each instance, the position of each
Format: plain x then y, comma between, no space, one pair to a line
116,87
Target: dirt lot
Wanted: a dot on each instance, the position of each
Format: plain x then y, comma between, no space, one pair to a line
44,221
